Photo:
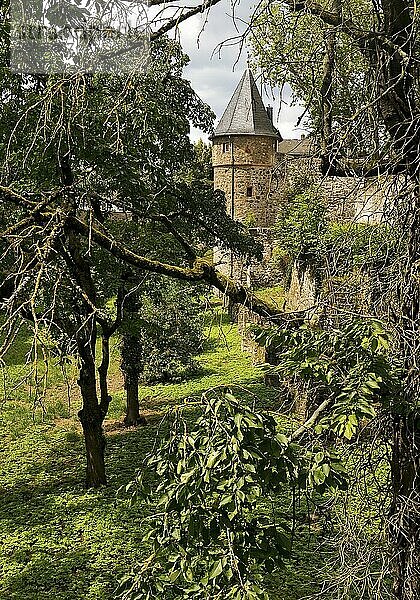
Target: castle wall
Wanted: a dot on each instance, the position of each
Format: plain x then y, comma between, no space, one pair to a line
256,273
340,192
357,199
349,199
246,318
302,293
252,161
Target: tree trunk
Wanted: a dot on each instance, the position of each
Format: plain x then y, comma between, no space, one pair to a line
405,508
404,518
93,411
131,384
399,110
326,91
91,415
103,372
131,351
233,310
95,448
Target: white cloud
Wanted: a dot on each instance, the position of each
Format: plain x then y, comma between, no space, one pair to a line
217,65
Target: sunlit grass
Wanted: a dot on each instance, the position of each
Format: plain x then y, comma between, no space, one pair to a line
58,540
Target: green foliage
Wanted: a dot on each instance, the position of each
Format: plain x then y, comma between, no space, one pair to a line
125,139
306,234
300,227
59,540
274,295
166,331
212,536
351,368
204,168
221,361
122,140
250,219
290,49
349,246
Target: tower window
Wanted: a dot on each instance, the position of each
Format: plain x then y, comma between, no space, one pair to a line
249,191
226,147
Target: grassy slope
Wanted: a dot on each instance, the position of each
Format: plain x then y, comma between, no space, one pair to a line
58,540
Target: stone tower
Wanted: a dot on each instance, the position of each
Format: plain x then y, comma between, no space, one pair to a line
245,145
245,162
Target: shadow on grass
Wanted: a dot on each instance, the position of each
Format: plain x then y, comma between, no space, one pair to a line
19,351
59,540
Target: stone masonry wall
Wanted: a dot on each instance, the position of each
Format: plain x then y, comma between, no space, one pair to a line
256,273
248,166
302,293
252,161
251,150
357,199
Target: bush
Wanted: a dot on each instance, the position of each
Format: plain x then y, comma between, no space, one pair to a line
166,331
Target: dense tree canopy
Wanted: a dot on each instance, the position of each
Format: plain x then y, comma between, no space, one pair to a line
77,151
296,49
77,147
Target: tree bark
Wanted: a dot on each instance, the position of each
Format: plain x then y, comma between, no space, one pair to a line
91,415
103,371
132,415
326,91
404,517
405,509
396,97
131,369
95,447
93,412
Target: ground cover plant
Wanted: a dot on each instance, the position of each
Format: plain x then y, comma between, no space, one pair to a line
57,539
211,483
55,535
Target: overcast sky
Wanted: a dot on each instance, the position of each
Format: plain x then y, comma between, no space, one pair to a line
215,77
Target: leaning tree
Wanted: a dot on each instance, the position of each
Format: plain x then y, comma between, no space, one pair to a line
110,144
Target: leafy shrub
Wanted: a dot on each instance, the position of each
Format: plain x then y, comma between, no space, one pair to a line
212,482
300,227
166,331
350,368
305,233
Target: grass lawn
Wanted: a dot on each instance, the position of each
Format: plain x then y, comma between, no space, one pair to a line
59,541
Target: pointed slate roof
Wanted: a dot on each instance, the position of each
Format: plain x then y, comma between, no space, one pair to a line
245,114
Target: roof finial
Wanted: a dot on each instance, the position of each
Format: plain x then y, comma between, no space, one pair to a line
248,59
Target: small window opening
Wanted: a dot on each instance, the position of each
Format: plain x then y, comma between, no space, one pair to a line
226,146
249,191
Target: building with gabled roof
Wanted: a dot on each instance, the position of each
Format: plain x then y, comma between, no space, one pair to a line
254,167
